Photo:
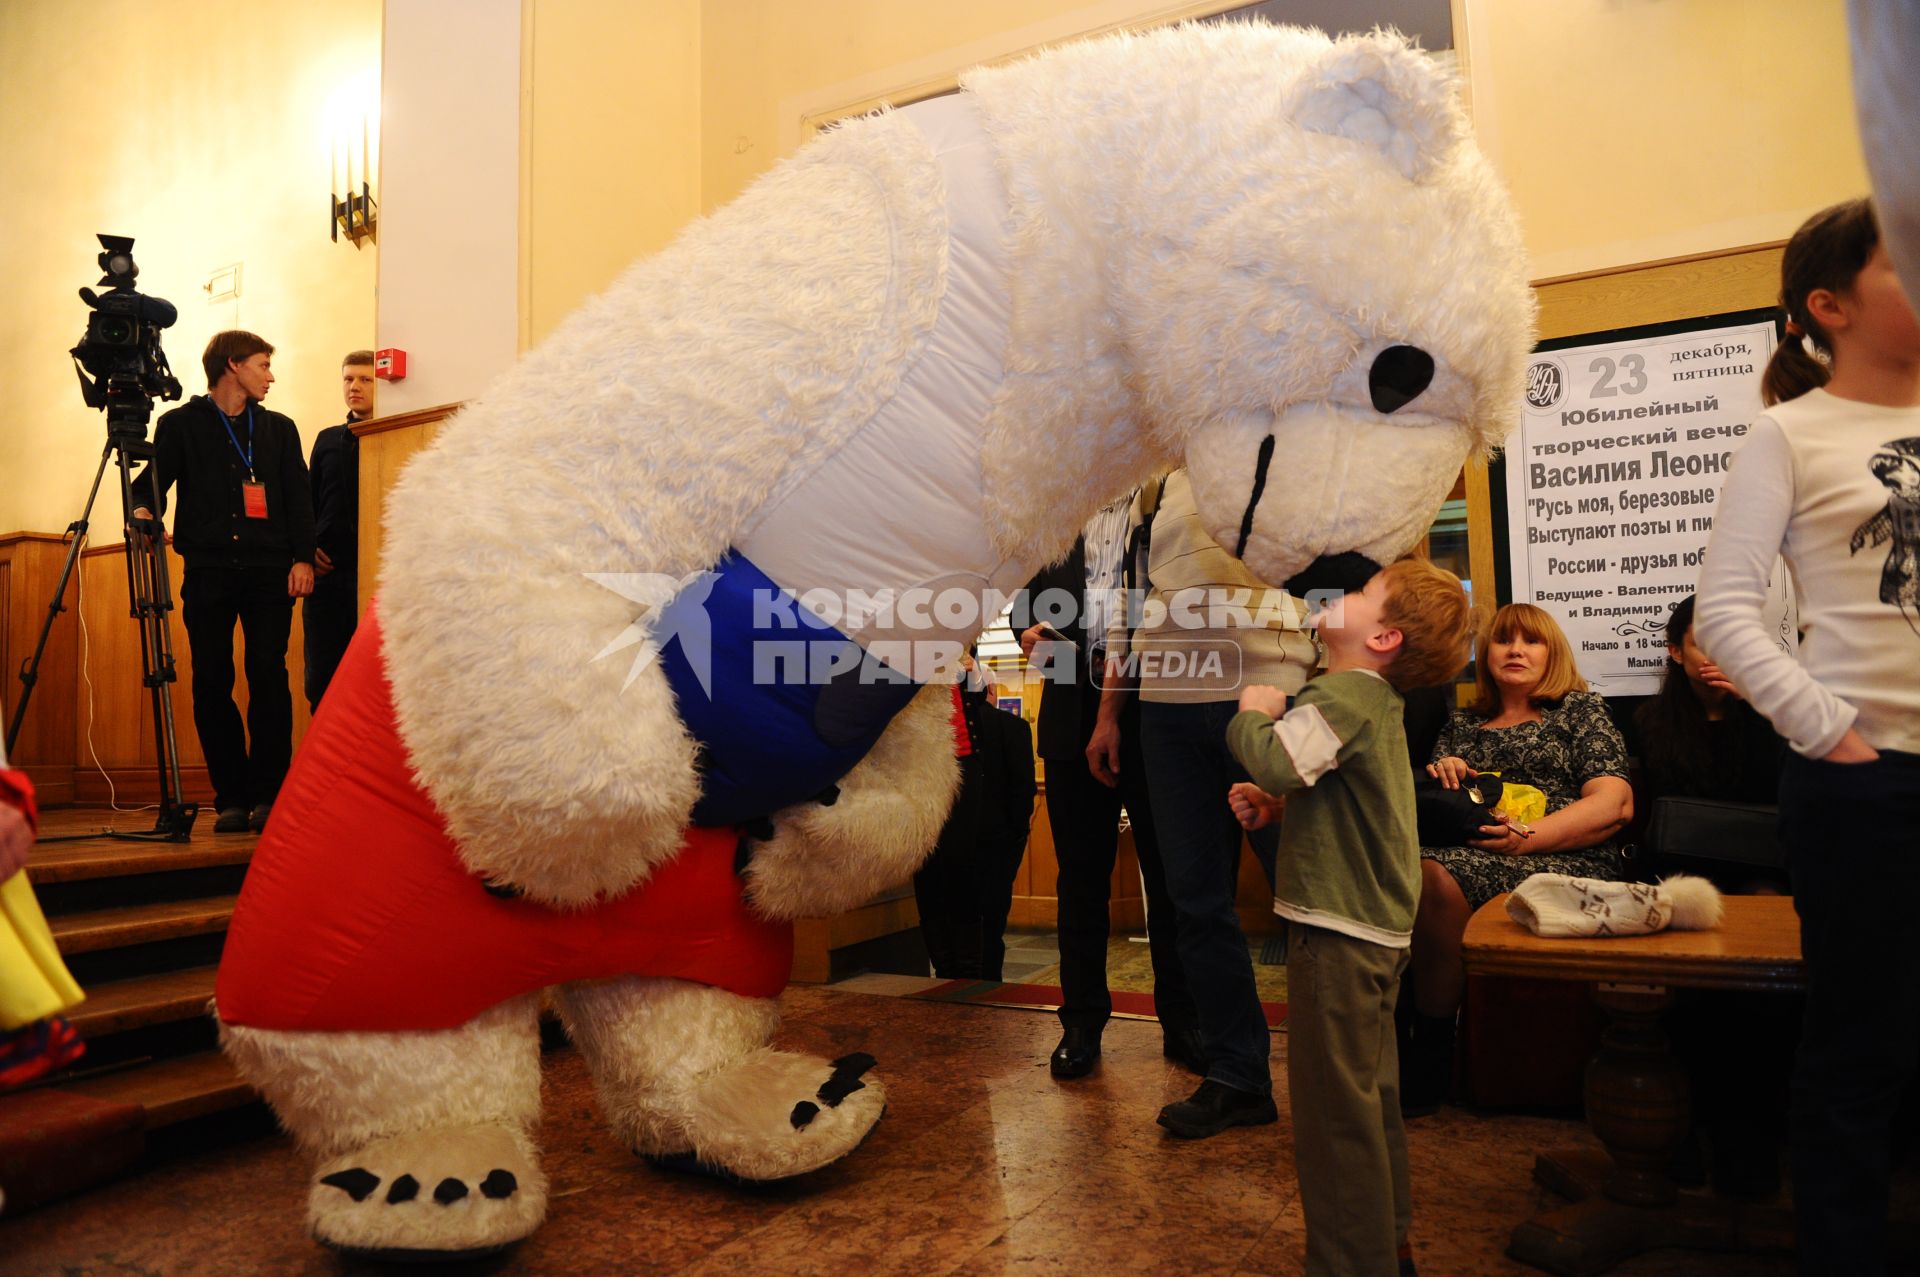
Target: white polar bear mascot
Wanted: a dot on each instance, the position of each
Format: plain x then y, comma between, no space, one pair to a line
558,758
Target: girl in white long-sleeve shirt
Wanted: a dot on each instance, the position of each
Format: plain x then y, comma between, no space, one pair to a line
1829,478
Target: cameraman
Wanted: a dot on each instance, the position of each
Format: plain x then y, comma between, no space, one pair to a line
245,529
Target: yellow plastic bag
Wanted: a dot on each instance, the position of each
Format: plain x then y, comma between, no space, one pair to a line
1522,803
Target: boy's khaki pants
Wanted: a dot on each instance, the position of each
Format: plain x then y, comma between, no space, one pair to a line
1343,1073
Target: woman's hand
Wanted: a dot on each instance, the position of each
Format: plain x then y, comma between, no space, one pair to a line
1450,771
1715,677
1502,838
1253,806
1852,749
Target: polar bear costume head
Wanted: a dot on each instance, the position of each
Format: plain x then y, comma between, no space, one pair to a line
1320,298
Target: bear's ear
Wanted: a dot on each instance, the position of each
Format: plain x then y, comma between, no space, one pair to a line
1380,90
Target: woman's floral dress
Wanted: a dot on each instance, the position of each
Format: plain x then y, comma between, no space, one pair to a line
1574,742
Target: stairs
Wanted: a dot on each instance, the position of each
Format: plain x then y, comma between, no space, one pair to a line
141,927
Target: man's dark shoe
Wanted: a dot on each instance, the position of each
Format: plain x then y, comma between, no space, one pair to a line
1186,1048
231,820
257,820
1215,1107
1078,1052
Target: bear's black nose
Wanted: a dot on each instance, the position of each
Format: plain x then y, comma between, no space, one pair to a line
1398,375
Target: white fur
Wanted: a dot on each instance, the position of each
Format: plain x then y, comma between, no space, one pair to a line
335,1092
1212,231
1697,905
640,437
823,860
455,1102
473,1224
1268,210
681,1068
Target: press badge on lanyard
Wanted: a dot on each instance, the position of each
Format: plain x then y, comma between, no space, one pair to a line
253,493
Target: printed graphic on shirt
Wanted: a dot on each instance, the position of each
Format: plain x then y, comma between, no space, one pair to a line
1897,465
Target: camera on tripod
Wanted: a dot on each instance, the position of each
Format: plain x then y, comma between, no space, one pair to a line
121,347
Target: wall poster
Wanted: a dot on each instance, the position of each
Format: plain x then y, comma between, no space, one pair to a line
1613,477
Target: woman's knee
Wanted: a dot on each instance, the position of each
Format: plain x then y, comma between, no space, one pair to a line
1442,904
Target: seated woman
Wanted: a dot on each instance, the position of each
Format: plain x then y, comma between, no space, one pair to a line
1698,738
1535,723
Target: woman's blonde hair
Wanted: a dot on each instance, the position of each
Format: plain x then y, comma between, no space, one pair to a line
1524,620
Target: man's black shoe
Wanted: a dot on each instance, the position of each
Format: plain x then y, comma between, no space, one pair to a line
1186,1048
257,819
1078,1052
1215,1107
231,820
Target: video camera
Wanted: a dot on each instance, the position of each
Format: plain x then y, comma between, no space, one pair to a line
121,347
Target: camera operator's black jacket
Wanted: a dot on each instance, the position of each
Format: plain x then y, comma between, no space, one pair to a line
211,528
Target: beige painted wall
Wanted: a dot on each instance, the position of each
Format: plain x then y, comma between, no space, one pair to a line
1636,130
450,206
612,165
208,144
766,65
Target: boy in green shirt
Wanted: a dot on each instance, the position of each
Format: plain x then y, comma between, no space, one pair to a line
1348,881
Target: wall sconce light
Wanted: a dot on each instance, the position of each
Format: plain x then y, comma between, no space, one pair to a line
350,208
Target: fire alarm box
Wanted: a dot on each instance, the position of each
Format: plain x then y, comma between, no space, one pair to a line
390,365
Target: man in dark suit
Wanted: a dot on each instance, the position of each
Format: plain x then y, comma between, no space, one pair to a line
1010,792
965,888
1085,795
333,609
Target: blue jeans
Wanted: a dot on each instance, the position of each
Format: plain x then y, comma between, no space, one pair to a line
1852,834
1189,771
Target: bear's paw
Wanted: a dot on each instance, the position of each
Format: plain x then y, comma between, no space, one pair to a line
774,1115
439,1194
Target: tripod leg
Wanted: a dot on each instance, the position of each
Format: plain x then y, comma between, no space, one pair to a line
150,596
77,536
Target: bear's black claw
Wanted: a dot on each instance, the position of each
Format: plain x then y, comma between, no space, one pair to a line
356,1183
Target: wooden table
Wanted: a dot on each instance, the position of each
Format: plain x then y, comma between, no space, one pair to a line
1636,1092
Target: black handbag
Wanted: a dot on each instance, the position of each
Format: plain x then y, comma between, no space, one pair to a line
1452,817
1707,829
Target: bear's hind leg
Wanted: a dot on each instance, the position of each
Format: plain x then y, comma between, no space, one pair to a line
685,1074
423,1140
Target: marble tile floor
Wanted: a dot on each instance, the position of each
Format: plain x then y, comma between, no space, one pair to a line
983,1165
1033,957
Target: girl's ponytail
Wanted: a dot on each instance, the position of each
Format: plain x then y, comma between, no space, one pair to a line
1791,372
1828,251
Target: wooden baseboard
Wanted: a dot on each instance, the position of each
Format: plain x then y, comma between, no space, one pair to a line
815,939
52,783
138,785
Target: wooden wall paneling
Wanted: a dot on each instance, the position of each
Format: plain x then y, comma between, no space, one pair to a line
113,719
1654,292
386,445
122,718
30,564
